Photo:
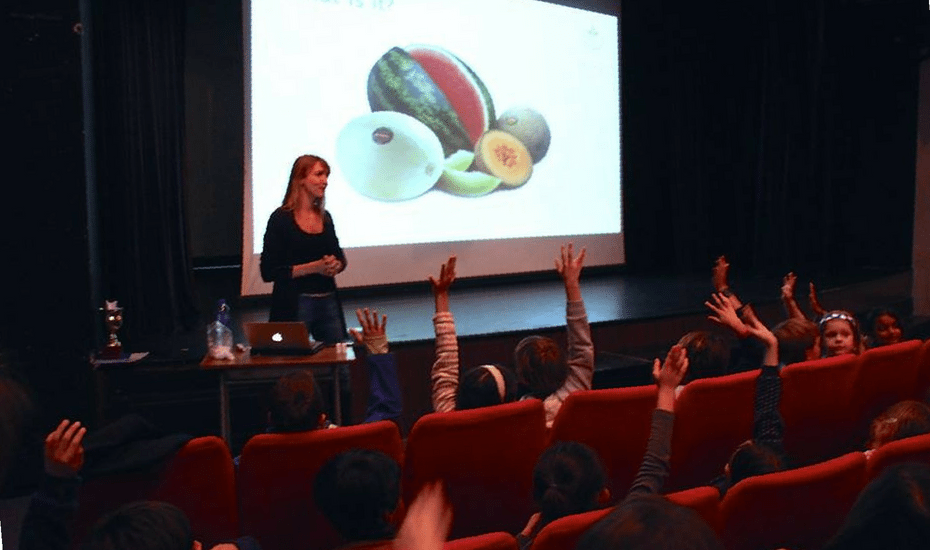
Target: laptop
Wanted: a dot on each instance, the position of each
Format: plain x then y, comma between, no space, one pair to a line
281,338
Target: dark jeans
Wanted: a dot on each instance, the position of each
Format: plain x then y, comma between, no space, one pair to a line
323,317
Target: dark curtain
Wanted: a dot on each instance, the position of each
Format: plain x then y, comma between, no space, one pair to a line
138,50
778,132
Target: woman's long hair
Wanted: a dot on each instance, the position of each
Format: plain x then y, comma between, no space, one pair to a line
299,170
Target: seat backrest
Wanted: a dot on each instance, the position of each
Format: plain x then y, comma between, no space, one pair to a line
488,541
712,417
591,417
275,482
815,403
799,508
884,376
485,459
563,533
703,500
911,449
199,479
922,385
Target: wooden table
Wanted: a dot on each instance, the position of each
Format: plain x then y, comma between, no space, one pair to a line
245,367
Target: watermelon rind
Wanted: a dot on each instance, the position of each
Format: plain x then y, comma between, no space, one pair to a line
398,83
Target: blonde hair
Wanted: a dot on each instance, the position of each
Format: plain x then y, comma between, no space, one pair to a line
302,166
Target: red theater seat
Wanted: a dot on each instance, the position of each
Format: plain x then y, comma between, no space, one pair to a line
799,508
485,459
923,372
199,479
911,449
613,422
276,473
563,533
712,417
884,376
815,401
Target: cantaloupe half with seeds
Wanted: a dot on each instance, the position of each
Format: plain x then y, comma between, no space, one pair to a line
504,156
466,93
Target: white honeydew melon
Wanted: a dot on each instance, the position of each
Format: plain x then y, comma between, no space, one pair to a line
389,156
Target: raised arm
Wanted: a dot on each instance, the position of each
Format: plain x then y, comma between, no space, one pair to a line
580,345
792,310
768,426
384,396
445,372
655,465
818,309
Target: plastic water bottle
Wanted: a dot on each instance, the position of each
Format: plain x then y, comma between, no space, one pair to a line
219,336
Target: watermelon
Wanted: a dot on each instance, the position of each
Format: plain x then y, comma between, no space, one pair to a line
465,91
397,82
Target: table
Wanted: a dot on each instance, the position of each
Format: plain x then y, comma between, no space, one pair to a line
245,367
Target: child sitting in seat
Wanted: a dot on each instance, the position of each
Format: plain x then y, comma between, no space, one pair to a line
882,327
839,334
568,479
540,367
359,493
903,419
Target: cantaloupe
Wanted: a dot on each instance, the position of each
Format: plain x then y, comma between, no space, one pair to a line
504,156
529,126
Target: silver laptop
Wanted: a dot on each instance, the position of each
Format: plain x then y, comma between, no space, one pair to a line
281,338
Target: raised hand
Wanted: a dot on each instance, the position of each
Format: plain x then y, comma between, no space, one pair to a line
64,454
719,276
373,335
724,314
427,522
442,284
668,375
787,286
569,266
818,310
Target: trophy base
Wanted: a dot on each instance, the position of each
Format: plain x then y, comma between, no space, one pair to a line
112,352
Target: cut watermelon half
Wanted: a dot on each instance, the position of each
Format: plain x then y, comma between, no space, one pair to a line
468,96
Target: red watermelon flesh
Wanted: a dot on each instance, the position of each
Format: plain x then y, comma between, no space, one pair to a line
460,85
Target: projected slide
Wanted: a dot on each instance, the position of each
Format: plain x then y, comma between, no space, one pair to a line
484,128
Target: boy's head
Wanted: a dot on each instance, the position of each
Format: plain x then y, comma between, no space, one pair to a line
485,386
798,340
358,491
650,522
540,365
904,419
296,403
708,354
568,479
753,459
144,525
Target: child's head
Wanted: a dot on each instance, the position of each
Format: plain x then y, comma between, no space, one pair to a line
904,419
650,522
839,333
568,479
540,365
708,354
144,525
883,327
798,340
753,459
296,403
358,491
485,386
892,511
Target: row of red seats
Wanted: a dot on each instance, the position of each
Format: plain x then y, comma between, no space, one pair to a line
485,457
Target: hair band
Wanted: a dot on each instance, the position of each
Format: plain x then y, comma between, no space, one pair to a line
498,379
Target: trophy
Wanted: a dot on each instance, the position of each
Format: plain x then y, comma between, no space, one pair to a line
113,319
